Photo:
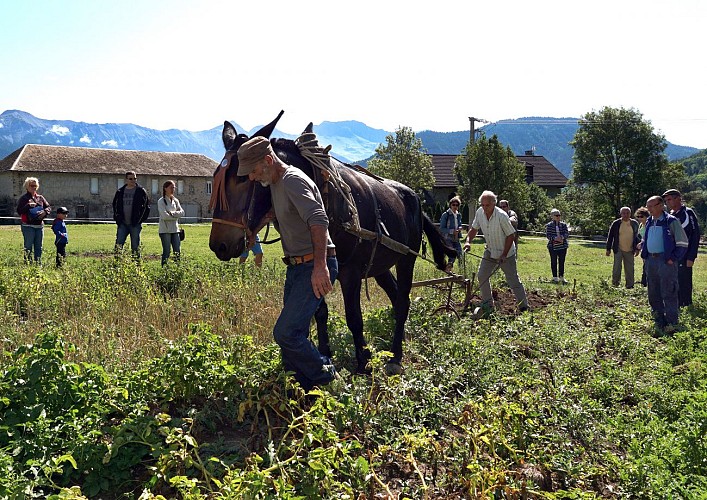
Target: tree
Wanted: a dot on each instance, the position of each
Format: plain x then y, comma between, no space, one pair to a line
617,152
487,165
403,159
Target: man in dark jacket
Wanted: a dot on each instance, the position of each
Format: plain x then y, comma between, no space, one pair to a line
688,221
623,240
131,207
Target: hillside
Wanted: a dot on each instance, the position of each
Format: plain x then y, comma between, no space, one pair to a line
351,140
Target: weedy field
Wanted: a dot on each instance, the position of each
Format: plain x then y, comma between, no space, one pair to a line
128,380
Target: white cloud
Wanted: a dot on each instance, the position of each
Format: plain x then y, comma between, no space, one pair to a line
58,130
85,139
2,125
112,143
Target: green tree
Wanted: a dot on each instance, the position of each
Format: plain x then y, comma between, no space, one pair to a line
487,165
617,152
403,159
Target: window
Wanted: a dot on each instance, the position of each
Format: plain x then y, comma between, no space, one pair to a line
121,182
155,186
94,185
180,187
208,187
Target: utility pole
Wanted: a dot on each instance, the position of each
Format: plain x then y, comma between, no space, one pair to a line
472,128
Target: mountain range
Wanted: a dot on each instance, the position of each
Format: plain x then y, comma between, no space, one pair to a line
351,141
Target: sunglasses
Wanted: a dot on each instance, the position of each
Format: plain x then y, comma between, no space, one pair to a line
454,204
130,178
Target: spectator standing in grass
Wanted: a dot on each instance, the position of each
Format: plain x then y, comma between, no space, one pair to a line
32,208
62,235
665,244
557,234
642,215
257,253
623,240
450,224
131,207
170,210
500,250
688,221
505,206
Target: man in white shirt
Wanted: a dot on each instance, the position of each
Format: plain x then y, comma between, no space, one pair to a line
500,249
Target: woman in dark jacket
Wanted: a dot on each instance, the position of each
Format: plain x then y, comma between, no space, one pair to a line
557,234
450,225
32,208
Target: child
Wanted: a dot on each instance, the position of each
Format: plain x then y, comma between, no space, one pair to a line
62,237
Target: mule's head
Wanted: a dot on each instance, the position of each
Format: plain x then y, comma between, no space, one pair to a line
240,207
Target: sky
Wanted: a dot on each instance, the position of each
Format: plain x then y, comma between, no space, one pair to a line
191,64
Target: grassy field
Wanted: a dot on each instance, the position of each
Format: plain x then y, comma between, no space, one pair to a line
125,380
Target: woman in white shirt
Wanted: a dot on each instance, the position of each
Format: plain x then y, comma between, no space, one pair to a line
170,211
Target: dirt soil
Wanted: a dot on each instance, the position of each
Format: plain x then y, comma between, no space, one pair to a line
505,301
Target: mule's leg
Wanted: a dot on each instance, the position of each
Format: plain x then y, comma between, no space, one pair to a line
351,291
321,316
389,285
401,306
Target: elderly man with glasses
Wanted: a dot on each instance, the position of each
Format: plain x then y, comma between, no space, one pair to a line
665,244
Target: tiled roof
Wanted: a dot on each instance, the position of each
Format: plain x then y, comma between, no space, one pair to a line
443,166
42,158
545,174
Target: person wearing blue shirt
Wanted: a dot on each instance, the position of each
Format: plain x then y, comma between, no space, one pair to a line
688,221
450,225
62,235
665,244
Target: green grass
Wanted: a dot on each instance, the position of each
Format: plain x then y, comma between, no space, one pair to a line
123,381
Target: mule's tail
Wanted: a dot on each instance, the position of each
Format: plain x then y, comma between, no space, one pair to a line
440,248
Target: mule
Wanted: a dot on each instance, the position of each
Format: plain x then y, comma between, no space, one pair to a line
241,208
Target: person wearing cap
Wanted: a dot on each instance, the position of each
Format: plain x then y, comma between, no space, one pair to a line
688,221
62,235
500,250
450,224
623,240
131,207
309,254
557,234
664,246
32,208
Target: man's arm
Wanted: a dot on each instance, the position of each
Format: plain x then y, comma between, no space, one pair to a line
321,282
470,237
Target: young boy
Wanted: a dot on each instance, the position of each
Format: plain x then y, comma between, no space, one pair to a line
62,237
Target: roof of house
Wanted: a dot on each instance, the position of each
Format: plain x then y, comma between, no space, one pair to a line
43,158
545,174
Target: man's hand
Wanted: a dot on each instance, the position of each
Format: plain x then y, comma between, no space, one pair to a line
467,246
608,253
689,263
502,259
321,284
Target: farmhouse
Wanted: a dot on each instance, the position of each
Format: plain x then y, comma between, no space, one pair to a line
85,179
537,170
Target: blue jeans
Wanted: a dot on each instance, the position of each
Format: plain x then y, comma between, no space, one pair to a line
453,242
292,328
122,234
33,238
662,290
170,240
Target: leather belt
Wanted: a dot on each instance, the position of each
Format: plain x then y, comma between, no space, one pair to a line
656,254
303,259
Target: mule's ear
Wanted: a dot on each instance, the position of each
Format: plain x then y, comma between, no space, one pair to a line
267,129
228,135
309,128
